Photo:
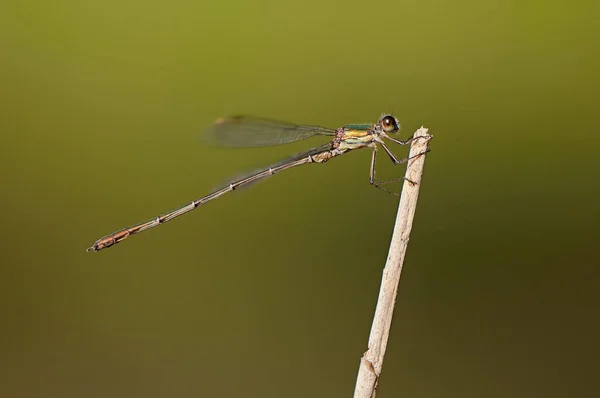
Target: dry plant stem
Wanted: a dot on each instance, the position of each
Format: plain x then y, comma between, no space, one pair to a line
372,360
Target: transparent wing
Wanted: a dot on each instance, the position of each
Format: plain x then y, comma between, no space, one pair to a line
246,131
302,155
291,159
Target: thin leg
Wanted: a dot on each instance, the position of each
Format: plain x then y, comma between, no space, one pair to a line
387,150
372,171
377,184
405,142
414,156
394,159
400,142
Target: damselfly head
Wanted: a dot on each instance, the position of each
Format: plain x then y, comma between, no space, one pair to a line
389,124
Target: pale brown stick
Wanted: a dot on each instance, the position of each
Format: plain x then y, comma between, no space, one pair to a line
372,360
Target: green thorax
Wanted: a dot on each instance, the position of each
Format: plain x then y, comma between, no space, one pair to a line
358,126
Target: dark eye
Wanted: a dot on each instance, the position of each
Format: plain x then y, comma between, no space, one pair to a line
389,125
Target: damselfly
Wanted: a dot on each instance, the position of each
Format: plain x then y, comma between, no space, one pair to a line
244,131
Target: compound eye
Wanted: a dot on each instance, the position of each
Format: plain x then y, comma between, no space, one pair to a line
389,124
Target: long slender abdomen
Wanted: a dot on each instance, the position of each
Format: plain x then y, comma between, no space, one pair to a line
118,236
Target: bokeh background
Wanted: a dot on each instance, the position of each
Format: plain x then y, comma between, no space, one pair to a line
270,291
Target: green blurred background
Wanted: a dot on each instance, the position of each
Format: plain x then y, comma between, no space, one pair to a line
270,291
